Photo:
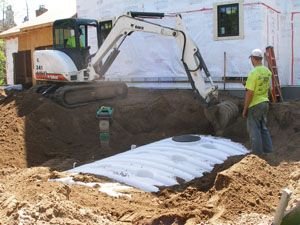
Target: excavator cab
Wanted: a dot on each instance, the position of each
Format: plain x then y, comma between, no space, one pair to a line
76,38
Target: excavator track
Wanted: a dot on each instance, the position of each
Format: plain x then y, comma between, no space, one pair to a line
71,96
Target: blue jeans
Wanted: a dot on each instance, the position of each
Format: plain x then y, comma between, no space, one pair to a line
260,138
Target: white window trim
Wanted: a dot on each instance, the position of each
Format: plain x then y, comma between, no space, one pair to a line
241,20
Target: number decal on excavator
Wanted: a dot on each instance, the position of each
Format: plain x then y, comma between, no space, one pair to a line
49,76
39,67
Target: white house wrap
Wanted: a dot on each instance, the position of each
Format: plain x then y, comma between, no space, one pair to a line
149,58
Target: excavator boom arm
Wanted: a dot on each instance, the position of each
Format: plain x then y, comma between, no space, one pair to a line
191,58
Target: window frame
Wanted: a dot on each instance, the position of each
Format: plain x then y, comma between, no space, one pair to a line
241,20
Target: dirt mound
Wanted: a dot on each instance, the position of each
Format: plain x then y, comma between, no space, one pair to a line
238,192
244,189
35,131
35,200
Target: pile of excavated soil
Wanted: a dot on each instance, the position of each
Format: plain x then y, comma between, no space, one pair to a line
39,139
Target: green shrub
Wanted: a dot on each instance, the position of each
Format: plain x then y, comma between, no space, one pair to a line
2,62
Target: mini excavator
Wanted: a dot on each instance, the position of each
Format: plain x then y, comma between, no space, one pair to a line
75,77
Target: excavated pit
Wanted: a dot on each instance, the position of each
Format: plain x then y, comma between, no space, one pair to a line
39,137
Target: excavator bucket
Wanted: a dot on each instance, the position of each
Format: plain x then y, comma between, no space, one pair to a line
222,115
71,96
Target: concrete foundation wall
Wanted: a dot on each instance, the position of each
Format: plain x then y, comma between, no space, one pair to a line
291,93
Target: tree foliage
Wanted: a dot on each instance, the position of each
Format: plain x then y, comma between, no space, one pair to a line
2,62
3,4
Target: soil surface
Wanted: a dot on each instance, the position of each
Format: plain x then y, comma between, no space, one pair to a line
40,139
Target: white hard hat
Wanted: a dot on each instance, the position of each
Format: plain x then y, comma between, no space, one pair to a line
256,53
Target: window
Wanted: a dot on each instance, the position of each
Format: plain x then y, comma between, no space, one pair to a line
66,36
82,36
62,35
228,19
105,28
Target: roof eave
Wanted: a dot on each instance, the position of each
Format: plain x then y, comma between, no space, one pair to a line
37,26
10,35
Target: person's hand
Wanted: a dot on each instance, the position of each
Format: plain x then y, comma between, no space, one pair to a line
245,112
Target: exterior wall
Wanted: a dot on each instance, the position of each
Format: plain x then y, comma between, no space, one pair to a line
32,39
285,49
35,38
11,46
265,23
23,42
295,43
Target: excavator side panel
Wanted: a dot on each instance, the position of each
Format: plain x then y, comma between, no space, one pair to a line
54,65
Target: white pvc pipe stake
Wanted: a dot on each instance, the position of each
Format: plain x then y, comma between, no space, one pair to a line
284,200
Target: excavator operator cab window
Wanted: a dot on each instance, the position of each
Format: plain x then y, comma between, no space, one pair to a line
67,38
89,37
78,38
70,40
82,37
75,33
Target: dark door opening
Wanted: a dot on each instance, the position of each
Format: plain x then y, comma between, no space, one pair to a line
22,68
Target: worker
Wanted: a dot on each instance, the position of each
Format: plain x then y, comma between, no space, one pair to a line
256,105
71,41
